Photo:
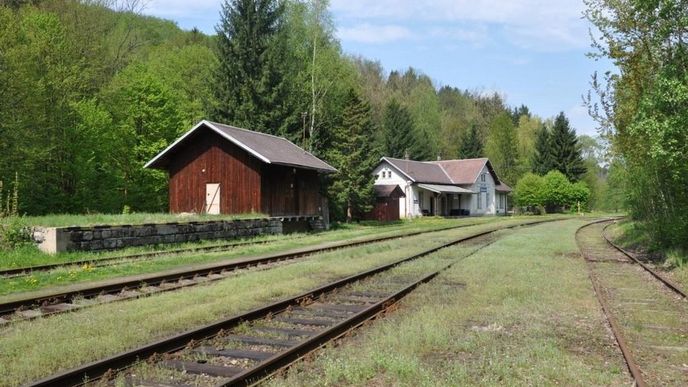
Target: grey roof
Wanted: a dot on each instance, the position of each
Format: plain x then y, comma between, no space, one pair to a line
454,172
268,148
420,172
385,191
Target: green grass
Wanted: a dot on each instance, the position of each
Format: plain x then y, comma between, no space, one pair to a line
29,255
527,316
33,349
71,275
633,236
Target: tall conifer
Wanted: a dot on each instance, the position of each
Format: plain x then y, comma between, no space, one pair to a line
354,155
542,158
564,150
399,130
471,146
249,83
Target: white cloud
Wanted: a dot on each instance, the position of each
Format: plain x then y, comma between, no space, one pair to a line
374,34
535,24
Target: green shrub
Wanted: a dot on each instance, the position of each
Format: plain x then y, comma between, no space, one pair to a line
528,191
14,233
551,193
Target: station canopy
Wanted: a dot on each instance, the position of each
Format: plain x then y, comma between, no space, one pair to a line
441,188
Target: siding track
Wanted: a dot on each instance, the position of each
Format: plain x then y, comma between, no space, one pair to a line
648,314
50,302
243,349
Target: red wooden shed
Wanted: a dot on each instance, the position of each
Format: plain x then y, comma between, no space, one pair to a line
221,169
386,207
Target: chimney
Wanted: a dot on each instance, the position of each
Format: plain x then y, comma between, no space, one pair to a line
439,158
406,155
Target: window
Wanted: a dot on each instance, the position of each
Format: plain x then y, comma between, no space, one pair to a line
487,199
480,200
482,177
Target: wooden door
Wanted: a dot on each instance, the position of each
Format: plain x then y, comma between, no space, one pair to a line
212,198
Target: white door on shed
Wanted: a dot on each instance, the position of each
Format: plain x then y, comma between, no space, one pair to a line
212,198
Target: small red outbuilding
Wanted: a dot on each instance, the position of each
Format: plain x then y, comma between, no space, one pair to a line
221,169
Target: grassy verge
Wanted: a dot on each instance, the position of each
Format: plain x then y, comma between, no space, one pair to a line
69,275
33,349
527,316
632,235
30,255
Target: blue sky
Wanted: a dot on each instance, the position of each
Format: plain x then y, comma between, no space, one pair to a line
530,51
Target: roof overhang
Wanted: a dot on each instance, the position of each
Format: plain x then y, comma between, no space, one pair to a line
153,163
441,188
397,168
157,162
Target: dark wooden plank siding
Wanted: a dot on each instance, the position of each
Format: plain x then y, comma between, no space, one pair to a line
209,158
290,191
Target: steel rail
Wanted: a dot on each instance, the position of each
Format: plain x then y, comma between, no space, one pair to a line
26,270
89,290
631,364
121,361
665,281
18,271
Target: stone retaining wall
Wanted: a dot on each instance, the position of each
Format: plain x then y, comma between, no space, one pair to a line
54,240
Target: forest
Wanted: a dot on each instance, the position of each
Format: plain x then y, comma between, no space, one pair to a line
91,90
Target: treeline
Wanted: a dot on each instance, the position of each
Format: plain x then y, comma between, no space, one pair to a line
92,90
643,109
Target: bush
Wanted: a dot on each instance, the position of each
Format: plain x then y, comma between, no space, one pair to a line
551,193
528,191
14,233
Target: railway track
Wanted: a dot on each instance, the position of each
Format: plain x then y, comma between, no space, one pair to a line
647,314
243,349
111,261
50,302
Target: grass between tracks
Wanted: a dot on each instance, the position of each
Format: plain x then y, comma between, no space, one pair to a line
30,255
69,275
34,349
527,316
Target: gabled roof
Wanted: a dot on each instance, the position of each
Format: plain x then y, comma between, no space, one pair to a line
420,171
466,171
267,148
453,172
385,191
501,187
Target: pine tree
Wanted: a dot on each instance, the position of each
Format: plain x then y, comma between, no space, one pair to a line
399,130
471,146
542,159
564,150
249,83
354,156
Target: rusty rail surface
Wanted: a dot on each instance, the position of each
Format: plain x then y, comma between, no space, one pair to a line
667,282
109,261
614,325
125,360
45,303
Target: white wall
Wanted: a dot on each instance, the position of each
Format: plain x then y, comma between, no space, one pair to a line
388,175
487,199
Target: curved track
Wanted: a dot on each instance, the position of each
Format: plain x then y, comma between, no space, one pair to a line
272,336
646,316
